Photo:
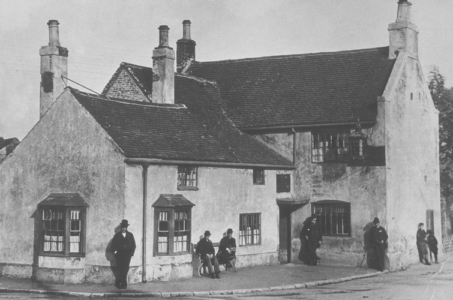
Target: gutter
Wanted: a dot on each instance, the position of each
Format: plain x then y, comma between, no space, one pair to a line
249,129
155,161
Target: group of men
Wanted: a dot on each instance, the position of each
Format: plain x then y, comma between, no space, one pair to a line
426,240
226,254
123,246
311,239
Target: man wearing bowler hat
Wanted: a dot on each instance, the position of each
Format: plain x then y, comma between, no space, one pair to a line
123,245
378,239
207,254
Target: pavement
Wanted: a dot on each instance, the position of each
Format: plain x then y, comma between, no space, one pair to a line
253,280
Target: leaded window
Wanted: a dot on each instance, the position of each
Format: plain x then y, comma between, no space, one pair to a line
334,217
329,147
249,229
187,177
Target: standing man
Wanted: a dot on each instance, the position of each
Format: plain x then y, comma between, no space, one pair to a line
422,247
227,250
378,238
313,237
207,254
123,245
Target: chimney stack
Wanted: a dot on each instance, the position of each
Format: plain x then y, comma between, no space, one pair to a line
185,49
54,64
163,70
403,34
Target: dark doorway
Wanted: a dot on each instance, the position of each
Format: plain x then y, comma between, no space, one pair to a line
285,235
286,226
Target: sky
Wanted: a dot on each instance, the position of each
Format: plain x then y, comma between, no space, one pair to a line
100,34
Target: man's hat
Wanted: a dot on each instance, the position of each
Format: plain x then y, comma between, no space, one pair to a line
376,220
124,223
421,224
229,231
207,233
430,231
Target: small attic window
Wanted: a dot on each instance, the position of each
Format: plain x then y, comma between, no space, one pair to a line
258,176
412,96
187,178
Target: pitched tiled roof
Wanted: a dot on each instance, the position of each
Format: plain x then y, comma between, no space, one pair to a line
165,131
203,99
68,199
321,88
172,200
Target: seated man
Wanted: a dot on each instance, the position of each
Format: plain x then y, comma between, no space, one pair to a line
207,254
227,250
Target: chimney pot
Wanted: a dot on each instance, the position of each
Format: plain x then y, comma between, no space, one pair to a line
186,30
54,38
163,36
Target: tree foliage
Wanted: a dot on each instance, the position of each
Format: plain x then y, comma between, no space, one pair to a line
443,100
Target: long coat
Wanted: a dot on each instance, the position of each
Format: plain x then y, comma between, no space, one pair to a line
125,246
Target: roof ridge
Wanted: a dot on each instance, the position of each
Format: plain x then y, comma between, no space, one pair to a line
134,65
302,55
125,101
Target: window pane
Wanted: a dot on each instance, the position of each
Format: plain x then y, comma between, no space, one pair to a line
249,229
334,219
329,147
53,225
187,176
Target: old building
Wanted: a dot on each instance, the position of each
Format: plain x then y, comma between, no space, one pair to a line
254,144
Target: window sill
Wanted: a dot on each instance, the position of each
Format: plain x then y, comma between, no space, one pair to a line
249,245
255,183
187,188
171,254
61,254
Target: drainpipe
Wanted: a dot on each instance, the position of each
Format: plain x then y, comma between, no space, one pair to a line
294,145
145,206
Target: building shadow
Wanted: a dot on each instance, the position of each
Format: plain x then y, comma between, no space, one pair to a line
110,256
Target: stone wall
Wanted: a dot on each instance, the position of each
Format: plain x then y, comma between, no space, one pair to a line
362,187
412,159
223,193
65,152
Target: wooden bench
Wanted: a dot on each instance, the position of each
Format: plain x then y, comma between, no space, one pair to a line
199,267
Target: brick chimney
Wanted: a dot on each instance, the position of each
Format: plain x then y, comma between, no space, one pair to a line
403,34
163,70
185,47
54,64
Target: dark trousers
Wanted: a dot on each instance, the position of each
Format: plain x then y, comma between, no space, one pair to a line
422,248
122,263
433,250
209,262
380,253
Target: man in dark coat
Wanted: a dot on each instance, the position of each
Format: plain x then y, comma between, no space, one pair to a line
207,254
313,237
123,245
432,245
422,247
378,238
227,250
